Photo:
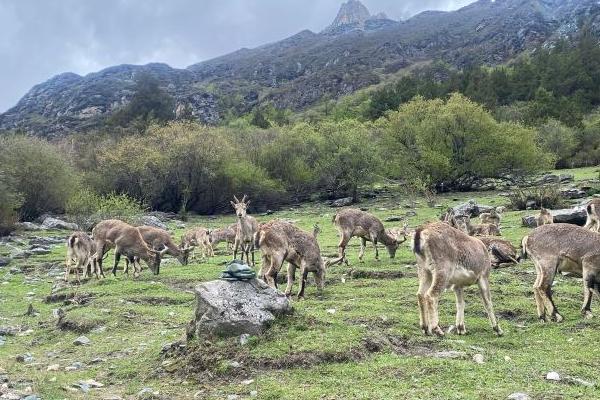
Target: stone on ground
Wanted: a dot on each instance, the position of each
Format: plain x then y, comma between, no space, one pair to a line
232,308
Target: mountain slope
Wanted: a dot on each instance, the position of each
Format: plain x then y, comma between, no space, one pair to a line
352,53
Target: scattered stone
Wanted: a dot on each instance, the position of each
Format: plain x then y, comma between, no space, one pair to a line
244,338
53,367
76,366
4,261
566,178
478,358
234,364
393,218
25,358
343,202
32,397
247,382
230,308
253,393
573,193
152,220
471,208
507,358
232,397
553,376
146,391
331,311
36,251
519,396
29,226
96,360
55,223
82,341
575,215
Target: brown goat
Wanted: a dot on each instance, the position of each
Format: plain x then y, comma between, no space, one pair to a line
463,223
449,258
80,248
491,217
198,237
352,222
592,211
281,241
544,217
501,251
127,241
245,230
226,234
563,248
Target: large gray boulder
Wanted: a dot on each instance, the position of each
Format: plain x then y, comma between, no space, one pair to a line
231,308
151,220
575,215
55,223
471,209
343,202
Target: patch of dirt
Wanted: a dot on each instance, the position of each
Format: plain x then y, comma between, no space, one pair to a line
155,301
365,274
80,326
512,315
69,298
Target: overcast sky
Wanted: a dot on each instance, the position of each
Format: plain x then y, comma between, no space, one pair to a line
42,38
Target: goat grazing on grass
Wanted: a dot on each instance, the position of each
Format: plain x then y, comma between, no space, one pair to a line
245,229
80,248
592,211
501,251
449,258
491,217
127,241
352,222
563,248
200,237
544,217
226,234
463,223
281,241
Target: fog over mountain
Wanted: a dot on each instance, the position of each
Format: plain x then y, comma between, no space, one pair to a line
40,39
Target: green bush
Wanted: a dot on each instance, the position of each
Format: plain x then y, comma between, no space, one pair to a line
10,201
43,177
455,143
541,196
87,208
559,140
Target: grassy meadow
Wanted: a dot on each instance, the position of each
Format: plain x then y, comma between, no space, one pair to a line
361,341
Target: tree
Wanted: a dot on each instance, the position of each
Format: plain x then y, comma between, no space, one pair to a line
148,103
559,140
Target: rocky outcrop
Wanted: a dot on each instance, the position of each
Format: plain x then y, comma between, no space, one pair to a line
575,215
231,308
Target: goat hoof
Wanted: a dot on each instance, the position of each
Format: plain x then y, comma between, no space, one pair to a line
461,330
438,331
587,315
498,331
557,318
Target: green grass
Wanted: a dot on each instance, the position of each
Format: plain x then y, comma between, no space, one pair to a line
135,318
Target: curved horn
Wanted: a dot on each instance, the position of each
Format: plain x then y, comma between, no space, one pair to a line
244,198
236,199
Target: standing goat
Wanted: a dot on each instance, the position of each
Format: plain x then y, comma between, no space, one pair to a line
449,258
544,217
491,217
80,248
198,237
352,222
226,234
245,230
593,215
563,248
281,241
464,224
127,241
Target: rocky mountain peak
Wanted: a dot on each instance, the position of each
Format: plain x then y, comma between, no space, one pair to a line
354,15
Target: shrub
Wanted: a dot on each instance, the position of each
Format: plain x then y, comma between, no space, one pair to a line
559,140
541,196
43,177
87,208
10,201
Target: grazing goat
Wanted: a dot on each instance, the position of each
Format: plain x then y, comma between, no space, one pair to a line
449,258
80,248
352,222
157,239
226,234
544,217
127,241
563,248
245,229
593,215
281,241
198,237
464,224
491,217
501,251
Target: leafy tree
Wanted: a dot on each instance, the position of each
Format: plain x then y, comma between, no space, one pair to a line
559,140
149,103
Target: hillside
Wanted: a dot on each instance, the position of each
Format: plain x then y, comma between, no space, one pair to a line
355,51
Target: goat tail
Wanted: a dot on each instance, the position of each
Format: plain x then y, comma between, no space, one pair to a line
334,218
416,244
257,239
524,252
72,241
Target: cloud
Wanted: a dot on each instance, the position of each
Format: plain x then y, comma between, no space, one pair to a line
39,39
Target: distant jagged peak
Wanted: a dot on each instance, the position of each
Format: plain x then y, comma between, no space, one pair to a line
352,15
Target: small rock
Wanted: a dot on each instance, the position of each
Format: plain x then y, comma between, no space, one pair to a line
232,397
26,358
331,311
393,218
450,354
343,202
4,261
146,391
247,381
507,358
53,367
75,366
82,341
519,396
478,358
244,338
578,381
2,340
253,393
553,376
55,223
151,220
234,364
32,397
